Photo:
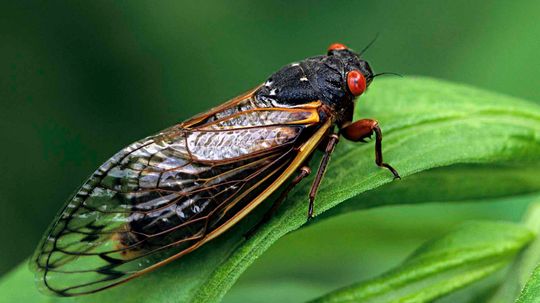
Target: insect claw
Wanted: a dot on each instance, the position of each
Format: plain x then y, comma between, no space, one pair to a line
392,170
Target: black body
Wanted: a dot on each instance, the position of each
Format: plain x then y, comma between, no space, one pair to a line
317,78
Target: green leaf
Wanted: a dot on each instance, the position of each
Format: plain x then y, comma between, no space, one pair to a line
531,291
523,275
426,124
531,258
451,262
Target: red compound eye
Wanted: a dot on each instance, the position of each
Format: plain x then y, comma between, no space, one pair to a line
336,46
356,82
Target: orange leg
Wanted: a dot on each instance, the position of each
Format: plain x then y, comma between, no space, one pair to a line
362,129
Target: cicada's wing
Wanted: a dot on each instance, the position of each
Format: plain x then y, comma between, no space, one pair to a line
166,195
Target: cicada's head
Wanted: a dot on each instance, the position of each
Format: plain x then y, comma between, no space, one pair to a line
355,73
335,79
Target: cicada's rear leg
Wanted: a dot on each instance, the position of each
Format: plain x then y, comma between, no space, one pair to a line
333,140
304,172
362,129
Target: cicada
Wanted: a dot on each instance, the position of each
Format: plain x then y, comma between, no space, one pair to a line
164,196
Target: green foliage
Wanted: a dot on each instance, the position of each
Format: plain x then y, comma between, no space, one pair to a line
523,274
531,291
427,124
439,267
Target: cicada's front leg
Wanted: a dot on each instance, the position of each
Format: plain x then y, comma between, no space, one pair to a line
362,129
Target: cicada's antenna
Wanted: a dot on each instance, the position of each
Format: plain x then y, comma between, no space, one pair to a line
369,44
387,73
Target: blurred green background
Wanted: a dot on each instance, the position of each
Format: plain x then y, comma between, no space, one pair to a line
80,80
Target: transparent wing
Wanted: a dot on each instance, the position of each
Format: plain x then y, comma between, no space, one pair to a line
160,197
